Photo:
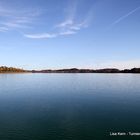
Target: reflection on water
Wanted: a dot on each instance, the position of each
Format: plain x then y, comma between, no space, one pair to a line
68,106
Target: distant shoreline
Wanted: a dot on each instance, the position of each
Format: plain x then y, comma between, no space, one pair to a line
75,70
4,69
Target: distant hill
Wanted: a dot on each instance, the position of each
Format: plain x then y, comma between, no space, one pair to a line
75,70
4,69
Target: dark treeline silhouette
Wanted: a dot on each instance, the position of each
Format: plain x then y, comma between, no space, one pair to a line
4,69
134,70
75,70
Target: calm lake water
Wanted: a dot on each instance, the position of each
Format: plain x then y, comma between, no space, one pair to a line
69,106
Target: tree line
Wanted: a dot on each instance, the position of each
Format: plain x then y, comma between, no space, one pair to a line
10,69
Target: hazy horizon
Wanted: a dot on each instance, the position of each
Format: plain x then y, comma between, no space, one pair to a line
52,34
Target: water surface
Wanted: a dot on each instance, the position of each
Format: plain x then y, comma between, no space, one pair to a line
69,106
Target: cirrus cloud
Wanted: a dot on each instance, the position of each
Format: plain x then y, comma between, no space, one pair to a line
40,36
69,26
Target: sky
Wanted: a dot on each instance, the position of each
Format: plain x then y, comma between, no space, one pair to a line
55,34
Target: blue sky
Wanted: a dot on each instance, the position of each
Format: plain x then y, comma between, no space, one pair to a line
42,34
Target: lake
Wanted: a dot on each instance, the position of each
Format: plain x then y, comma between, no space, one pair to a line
69,106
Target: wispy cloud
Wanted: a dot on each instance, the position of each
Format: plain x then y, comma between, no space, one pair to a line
12,19
3,29
40,36
19,20
65,23
66,28
49,35
69,26
69,32
126,15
